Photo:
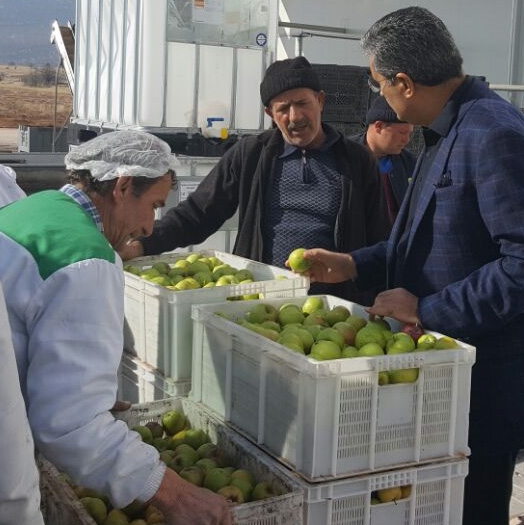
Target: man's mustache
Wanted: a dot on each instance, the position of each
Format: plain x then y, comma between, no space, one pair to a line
299,124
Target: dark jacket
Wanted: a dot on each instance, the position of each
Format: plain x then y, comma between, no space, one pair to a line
238,181
403,166
465,258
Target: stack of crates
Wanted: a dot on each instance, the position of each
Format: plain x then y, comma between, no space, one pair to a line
342,435
161,326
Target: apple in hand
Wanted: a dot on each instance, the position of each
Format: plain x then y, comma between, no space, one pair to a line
297,262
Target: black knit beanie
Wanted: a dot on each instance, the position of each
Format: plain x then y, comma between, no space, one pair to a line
381,110
287,74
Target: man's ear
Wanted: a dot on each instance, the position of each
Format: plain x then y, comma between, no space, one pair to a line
379,126
123,186
406,84
268,112
321,99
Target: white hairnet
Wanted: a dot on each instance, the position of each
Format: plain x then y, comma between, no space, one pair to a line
122,153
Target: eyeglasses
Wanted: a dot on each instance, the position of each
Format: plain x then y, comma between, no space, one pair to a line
375,86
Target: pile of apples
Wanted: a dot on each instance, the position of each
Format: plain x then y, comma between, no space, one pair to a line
190,453
332,333
193,272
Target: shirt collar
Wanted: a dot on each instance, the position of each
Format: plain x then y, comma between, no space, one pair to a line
442,124
81,198
331,136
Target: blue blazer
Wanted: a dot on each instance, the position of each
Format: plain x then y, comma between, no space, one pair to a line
465,257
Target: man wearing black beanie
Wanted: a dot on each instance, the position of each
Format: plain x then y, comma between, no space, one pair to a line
302,184
387,137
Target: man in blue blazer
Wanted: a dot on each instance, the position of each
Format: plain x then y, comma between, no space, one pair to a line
455,258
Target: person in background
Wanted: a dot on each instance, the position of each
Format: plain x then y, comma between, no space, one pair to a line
19,491
301,184
455,258
9,190
387,137
64,290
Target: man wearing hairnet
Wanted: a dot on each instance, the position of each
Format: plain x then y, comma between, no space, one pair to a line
64,291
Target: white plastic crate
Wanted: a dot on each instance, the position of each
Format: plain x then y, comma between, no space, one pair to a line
61,506
436,498
330,419
138,382
160,319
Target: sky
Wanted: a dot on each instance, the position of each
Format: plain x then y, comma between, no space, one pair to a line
25,29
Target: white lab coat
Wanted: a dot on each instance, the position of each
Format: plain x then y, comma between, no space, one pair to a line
9,190
19,491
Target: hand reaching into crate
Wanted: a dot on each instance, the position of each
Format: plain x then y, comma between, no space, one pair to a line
183,503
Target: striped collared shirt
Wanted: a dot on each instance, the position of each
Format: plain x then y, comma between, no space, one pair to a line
85,202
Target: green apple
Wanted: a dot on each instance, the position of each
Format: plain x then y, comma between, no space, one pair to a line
370,349
244,475
161,280
389,494
206,464
197,267
173,272
297,262
325,350
175,280
370,335
290,313
217,478
271,334
192,257
162,267
181,263
193,474
207,450
116,517
330,334
244,275
445,343
203,278
383,378
145,433
292,341
426,342
400,343
245,487
207,262
214,261
188,283
350,351
222,269
195,437
307,339
263,490
131,268
173,422
337,314
181,461
232,494
166,456
226,280
148,274
407,375
96,508
262,312
356,322
312,304
313,329
209,285
272,325
315,318
379,323
347,331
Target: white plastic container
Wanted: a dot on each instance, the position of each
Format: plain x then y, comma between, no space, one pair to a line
437,493
160,319
329,419
138,382
62,505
